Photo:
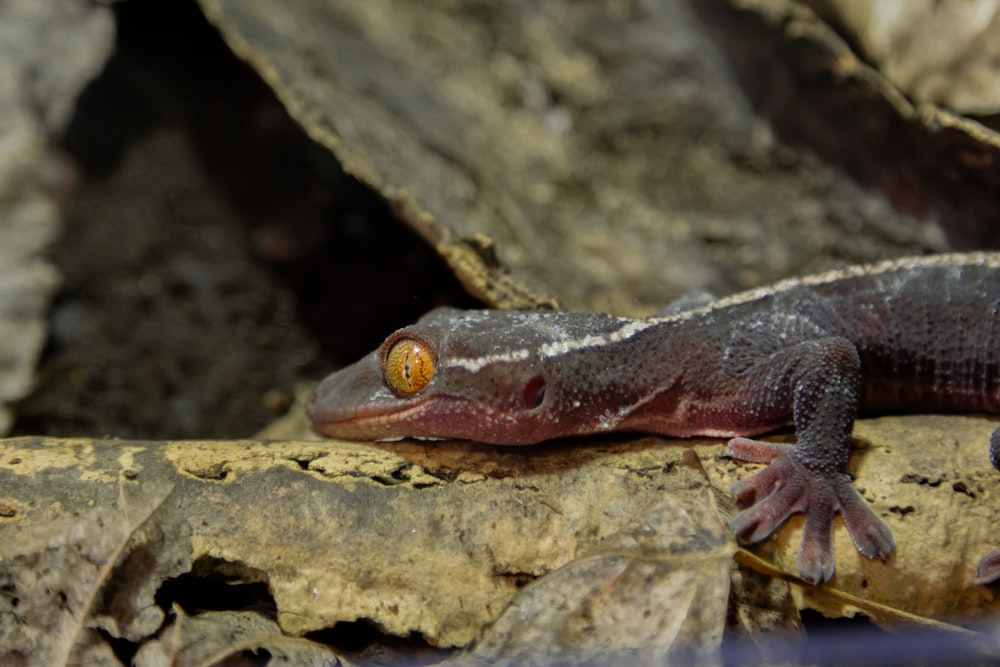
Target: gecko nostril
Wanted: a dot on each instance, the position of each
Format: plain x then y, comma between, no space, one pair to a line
534,392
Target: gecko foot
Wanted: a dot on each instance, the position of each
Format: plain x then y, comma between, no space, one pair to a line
785,487
988,569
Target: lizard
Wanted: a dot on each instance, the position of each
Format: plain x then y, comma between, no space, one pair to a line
912,334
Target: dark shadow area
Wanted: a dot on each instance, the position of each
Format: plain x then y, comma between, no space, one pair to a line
803,83
213,256
364,643
217,585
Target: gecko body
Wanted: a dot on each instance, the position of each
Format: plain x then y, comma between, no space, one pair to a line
909,335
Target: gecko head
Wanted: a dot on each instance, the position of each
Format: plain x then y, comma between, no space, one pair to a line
475,375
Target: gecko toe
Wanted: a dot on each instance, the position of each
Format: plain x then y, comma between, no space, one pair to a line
758,522
988,569
755,487
816,557
763,518
870,534
762,484
756,451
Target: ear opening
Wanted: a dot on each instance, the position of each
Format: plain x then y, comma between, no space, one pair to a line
534,392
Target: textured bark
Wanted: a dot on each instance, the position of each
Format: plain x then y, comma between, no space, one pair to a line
582,151
441,539
434,541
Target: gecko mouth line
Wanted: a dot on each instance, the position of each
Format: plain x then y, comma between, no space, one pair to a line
359,424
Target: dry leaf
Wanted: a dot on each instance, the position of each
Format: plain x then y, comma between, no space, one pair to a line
807,82
37,93
212,637
69,553
947,53
593,152
659,586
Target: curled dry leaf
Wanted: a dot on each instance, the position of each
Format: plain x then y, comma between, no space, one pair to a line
947,53
659,586
598,153
80,555
805,79
37,93
213,637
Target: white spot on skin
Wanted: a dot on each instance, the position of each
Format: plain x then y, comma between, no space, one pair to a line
607,421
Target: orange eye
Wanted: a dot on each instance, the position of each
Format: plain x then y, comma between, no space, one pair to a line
409,366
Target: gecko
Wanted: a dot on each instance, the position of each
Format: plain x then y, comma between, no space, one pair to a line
906,335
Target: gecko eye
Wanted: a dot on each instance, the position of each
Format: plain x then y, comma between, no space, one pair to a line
408,366
534,392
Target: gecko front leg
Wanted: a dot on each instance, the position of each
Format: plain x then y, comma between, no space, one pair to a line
821,378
